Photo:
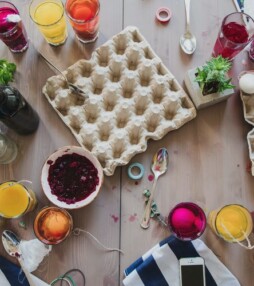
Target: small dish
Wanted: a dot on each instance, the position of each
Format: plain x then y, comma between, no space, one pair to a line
71,177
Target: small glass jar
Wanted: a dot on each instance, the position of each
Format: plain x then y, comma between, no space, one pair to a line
8,150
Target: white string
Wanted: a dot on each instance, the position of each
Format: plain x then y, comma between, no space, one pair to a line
77,231
249,246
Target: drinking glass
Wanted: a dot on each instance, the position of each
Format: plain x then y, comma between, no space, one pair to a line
187,221
84,18
12,30
16,199
236,32
232,222
8,150
52,225
49,17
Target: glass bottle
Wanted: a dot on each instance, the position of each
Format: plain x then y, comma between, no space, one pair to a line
16,112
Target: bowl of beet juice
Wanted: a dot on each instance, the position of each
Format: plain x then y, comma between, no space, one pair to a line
71,177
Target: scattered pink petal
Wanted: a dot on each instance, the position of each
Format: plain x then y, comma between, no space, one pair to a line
115,218
128,190
113,188
150,177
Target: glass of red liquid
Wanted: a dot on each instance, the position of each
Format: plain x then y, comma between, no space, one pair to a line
187,221
84,18
12,30
235,34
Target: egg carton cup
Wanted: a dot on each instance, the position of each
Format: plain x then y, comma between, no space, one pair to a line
132,97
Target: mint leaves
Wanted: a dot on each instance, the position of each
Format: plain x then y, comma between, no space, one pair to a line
6,72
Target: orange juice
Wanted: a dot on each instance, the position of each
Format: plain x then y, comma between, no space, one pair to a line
232,222
50,19
15,200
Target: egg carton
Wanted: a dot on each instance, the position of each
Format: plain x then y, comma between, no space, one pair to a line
248,112
132,97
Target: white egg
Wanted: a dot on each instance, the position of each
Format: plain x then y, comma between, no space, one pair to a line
246,83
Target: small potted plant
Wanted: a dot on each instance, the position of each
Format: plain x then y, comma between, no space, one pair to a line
210,83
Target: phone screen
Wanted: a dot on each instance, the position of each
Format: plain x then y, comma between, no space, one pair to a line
192,275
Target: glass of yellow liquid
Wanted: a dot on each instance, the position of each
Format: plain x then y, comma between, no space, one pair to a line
233,223
16,199
49,16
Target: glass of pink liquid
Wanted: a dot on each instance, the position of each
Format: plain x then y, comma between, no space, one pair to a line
187,221
235,34
12,30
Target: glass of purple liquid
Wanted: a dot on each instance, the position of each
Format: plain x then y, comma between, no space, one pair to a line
187,221
12,30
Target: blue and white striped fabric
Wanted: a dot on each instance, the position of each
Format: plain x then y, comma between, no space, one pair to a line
160,265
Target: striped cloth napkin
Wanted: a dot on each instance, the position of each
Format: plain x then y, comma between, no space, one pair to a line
160,265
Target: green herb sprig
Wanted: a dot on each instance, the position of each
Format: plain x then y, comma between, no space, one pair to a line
7,70
212,76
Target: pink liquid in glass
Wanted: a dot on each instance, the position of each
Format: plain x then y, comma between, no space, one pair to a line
187,221
232,39
12,33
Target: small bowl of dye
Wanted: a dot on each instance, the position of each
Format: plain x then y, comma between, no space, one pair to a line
187,221
71,177
52,225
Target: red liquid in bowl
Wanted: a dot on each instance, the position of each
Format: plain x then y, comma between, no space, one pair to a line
72,178
12,34
231,41
187,221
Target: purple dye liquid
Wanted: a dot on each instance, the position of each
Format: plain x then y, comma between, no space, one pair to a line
187,221
12,34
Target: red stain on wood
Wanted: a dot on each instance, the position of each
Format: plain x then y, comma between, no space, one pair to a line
133,217
150,177
115,218
248,167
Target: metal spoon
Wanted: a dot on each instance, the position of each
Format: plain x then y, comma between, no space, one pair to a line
159,166
11,243
70,85
188,41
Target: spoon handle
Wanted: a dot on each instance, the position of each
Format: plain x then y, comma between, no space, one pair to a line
187,7
27,273
146,217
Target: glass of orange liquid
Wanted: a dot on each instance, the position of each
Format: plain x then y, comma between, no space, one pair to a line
16,199
233,223
52,225
84,18
49,17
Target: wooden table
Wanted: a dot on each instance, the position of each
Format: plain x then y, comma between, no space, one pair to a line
207,156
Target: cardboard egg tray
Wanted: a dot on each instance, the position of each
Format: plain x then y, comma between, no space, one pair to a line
248,111
132,97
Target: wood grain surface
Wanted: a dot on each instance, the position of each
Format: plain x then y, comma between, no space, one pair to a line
208,157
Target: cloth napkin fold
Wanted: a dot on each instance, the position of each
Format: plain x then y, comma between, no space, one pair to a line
160,265
11,274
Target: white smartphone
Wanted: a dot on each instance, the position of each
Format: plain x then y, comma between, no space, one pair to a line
192,271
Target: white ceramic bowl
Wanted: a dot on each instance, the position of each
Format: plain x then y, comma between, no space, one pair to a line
51,160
